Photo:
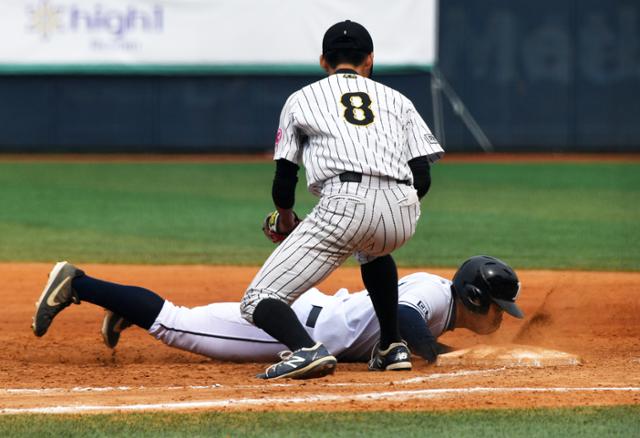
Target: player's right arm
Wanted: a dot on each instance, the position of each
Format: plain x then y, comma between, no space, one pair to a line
423,310
421,171
422,148
419,139
415,332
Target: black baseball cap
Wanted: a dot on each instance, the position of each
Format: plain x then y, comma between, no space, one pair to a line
347,35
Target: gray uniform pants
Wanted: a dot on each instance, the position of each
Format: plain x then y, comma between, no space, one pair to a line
369,219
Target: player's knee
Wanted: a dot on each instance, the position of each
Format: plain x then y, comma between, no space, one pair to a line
250,300
247,306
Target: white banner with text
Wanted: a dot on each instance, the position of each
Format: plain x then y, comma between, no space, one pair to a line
207,35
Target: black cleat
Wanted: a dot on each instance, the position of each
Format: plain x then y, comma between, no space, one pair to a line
395,358
112,325
305,363
56,296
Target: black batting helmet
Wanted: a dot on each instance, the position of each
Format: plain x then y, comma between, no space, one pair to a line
483,279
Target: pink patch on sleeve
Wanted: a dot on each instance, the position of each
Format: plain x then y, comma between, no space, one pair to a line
278,136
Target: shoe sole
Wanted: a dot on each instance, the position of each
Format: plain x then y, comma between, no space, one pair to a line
111,343
316,369
399,366
47,289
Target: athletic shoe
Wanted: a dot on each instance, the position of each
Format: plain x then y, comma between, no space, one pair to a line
395,358
305,363
56,296
112,325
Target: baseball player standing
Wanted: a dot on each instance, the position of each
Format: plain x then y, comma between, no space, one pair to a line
367,154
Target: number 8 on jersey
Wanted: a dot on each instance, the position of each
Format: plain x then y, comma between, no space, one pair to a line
357,108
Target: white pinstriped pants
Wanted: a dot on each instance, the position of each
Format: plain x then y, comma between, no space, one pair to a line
369,219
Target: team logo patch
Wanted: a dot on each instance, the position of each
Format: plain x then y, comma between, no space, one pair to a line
431,139
278,136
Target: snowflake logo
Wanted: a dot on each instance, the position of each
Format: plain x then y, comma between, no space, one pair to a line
44,18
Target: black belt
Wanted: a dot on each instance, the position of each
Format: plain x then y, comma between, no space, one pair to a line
357,177
313,316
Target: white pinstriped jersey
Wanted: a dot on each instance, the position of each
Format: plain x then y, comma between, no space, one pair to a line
346,122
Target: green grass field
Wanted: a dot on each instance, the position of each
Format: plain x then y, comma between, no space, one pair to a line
555,215
584,422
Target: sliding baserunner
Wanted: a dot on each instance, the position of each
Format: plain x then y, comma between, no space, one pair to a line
345,323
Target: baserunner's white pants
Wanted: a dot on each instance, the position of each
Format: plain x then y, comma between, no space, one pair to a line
349,331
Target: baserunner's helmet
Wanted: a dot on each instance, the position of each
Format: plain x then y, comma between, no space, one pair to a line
485,279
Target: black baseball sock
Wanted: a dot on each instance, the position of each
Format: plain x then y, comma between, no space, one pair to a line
137,305
280,321
380,277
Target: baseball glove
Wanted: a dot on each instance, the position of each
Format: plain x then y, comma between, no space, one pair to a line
271,227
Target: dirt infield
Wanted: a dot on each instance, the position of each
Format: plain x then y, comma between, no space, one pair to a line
595,315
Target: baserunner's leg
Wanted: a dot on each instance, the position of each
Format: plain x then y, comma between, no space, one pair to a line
135,304
216,330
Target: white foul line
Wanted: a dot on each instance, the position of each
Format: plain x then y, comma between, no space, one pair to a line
388,395
447,375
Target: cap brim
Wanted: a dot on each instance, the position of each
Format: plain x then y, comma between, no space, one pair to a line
510,307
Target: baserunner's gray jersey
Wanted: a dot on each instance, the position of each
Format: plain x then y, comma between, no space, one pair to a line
321,125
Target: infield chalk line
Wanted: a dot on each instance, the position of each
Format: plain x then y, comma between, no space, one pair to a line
89,389
461,373
388,395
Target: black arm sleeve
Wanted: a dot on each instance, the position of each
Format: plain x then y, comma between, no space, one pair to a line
414,330
283,190
421,174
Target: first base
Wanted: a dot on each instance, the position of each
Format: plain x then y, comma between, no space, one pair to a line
511,355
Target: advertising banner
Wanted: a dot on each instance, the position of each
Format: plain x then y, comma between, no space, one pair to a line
205,35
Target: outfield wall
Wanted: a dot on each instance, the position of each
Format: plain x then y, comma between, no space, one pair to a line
560,75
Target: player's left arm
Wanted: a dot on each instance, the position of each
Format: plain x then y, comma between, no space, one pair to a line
415,332
283,193
286,156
